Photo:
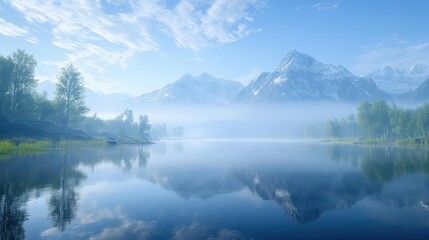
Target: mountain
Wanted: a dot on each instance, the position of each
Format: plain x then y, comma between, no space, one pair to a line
301,77
96,101
203,89
419,94
399,81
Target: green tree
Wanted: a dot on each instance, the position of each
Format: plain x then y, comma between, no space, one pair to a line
6,70
144,127
422,120
70,96
374,119
403,122
333,128
22,83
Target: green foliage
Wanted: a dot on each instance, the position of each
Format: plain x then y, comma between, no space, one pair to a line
333,128
70,96
6,70
6,147
144,127
422,120
159,131
23,83
379,120
402,122
373,119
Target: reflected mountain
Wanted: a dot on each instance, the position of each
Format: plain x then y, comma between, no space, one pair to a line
199,183
306,196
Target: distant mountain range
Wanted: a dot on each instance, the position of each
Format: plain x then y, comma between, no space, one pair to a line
202,89
399,81
298,77
301,77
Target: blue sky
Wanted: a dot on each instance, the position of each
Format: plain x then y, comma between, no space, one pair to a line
137,46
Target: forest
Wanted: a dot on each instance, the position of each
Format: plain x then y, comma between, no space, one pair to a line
379,120
23,110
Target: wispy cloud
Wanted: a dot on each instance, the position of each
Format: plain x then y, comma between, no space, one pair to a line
320,6
199,24
325,6
394,51
95,36
11,30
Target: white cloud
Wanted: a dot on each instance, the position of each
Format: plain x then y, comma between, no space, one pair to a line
393,51
320,6
325,6
199,24
11,30
94,38
32,40
128,230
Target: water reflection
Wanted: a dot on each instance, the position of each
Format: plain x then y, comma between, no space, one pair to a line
304,180
305,196
57,172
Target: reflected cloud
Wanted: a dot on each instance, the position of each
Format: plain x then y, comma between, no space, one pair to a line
197,231
128,230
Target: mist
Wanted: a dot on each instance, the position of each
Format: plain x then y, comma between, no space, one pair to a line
289,120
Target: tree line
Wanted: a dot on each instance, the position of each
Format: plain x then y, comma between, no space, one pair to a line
381,120
20,101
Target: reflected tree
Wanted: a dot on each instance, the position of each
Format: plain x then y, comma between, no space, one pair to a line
63,200
12,212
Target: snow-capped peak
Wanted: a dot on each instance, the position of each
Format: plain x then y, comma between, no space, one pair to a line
296,59
418,69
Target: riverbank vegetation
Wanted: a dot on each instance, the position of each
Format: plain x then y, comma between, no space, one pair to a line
26,114
379,122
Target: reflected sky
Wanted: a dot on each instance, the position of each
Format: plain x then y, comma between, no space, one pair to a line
219,189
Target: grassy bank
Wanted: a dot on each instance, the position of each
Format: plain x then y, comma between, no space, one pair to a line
404,141
25,147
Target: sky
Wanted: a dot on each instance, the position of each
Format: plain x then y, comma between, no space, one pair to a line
138,46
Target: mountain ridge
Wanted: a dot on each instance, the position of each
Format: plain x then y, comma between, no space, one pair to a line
301,77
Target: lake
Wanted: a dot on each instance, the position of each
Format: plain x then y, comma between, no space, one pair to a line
217,189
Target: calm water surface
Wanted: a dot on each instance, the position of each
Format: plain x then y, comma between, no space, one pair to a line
217,190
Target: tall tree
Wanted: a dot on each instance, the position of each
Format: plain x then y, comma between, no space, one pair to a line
23,82
6,68
70,95
144,127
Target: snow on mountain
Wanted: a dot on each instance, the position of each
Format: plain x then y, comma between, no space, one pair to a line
203,89
398,81
301,77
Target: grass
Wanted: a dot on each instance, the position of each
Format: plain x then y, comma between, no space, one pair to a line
359,140
402,141
413,141
8,148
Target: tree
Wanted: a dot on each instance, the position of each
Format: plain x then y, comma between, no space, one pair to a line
22,82
374,119
144,127
403,122
333,128
70,95
422,120
6,69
